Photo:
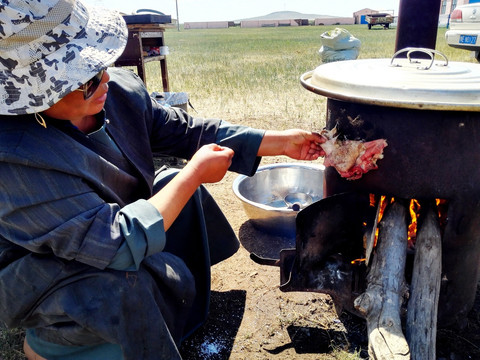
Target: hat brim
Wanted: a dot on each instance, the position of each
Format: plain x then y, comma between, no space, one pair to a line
100,40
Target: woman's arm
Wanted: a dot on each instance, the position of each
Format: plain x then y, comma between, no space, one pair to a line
208,165
294,143
212,161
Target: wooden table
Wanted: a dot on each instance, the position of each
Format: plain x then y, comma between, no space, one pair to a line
141,39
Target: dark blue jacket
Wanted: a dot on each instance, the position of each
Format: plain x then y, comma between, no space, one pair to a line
61,195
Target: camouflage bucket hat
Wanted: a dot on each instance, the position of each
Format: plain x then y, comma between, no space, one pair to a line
49,48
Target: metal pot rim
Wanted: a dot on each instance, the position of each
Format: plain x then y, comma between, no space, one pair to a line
454,86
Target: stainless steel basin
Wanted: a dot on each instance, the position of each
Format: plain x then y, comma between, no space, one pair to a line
273,196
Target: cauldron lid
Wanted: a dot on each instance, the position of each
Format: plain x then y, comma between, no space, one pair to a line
399,83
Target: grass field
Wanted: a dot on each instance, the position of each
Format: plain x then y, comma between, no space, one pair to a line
251,77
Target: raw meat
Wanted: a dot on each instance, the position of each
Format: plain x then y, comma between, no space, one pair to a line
351,158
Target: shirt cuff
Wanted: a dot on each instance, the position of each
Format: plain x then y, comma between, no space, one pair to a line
245,141
142,228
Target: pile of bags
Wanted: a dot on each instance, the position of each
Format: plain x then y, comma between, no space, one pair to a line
338,44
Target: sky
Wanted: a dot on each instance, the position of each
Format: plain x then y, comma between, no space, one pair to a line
229,10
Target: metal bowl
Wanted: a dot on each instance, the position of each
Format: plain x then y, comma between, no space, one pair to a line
275,193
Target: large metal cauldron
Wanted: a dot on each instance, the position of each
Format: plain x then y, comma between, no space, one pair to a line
431,121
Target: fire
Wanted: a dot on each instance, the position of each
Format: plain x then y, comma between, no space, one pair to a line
414,209
381,202
358,261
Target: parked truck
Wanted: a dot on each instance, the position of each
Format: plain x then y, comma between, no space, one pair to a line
383,19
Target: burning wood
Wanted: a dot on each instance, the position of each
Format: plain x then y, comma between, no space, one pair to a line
414,211
371,236
351,158
421,329
381,303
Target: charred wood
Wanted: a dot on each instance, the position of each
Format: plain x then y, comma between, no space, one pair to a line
381,302
421,327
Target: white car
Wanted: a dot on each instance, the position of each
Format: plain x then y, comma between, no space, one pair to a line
464,30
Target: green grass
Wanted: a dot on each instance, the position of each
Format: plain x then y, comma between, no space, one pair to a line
251,76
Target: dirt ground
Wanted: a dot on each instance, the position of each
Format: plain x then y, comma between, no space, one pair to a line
250,318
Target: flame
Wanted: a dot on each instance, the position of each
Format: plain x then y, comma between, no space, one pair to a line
381,202
414,209
358,261
383,205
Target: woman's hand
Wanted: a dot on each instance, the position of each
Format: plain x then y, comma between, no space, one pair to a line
208,165
295,143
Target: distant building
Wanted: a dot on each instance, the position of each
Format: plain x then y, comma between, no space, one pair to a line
208,25
269,23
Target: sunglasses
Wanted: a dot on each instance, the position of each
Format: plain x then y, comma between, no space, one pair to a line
91,85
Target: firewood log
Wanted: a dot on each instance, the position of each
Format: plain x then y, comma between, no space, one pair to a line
421,326
381,302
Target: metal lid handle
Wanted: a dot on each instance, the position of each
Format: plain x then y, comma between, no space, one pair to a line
410,50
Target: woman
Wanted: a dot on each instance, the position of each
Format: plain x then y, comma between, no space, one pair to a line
101,257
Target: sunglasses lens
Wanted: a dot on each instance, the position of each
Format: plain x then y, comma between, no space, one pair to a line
92,85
